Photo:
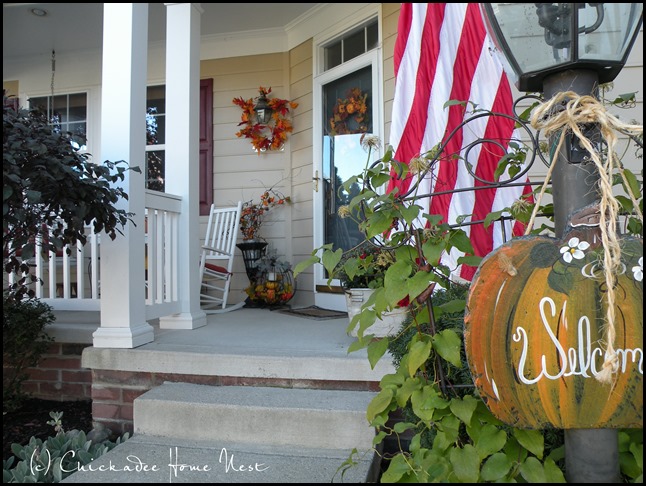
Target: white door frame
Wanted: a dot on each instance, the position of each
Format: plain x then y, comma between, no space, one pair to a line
372,58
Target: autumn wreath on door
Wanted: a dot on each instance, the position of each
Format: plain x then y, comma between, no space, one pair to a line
350,114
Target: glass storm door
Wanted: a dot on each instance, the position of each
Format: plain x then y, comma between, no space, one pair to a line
348,113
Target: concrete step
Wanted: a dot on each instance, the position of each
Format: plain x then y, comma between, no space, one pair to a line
327,419
150,459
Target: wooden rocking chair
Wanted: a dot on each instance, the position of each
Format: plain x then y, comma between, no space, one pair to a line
216,262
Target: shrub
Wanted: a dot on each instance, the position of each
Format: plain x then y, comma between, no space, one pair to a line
51,191
24,340
56,458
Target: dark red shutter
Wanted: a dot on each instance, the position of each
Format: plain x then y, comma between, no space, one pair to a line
206,145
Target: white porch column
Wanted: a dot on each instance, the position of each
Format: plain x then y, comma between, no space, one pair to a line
123,137
183,151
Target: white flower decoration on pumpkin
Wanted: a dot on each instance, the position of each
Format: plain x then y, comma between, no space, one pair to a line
638,270
574,249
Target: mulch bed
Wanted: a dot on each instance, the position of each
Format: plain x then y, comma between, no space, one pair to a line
31,420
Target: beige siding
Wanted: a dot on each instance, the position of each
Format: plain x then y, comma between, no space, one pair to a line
239,172
301,82
390,19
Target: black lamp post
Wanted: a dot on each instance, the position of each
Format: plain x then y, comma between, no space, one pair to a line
553,48
262,109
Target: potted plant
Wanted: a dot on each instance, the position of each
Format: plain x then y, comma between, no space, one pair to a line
253,212
361,271
253,246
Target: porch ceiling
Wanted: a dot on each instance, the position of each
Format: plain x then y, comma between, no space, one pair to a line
74,26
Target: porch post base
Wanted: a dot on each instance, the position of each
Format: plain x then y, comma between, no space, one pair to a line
183,320
123,337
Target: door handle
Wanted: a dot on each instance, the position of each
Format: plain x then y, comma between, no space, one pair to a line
316,180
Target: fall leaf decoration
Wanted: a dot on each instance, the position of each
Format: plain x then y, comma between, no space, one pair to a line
350,115
265,137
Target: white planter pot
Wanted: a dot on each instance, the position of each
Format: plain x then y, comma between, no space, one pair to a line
388,325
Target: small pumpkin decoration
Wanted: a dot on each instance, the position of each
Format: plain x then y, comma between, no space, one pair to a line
535,332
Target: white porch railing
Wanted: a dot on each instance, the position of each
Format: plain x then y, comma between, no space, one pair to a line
71,282
70,279
162,238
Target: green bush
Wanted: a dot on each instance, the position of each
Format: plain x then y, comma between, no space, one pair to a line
57,457
24,341
51,192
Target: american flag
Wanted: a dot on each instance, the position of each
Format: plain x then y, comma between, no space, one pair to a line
443,53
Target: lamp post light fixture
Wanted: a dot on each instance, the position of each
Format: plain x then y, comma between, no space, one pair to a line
553,48
541,39
262,109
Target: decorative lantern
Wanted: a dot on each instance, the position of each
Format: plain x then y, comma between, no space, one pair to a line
262,109
541,39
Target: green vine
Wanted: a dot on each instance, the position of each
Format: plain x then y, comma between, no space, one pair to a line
455,438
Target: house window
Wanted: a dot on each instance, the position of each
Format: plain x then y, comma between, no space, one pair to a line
155,137
351,45
156,141
66,113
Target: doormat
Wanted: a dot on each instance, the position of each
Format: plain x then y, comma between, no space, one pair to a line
314,312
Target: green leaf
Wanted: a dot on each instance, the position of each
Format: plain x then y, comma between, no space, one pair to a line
407,389
379,404
356,346
381,435
624,98
367,318
301,266
448,429
553,473
461,241
401,427
532,470
463,408
466,464
450,103
448,344
393,380
433,251
496,467
500,170
634,186
423,402
637,451
532,440
455,305
397,468
379,224
490,441
376,350
330,259
418,355
470,261
417,284
410,213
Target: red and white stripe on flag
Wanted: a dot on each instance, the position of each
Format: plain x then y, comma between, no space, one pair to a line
443,53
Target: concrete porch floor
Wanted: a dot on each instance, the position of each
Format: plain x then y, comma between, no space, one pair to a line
273,345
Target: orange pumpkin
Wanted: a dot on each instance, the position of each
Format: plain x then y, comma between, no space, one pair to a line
535,333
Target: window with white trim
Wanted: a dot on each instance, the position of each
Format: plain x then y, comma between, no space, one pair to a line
155,137
66,113
352,44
